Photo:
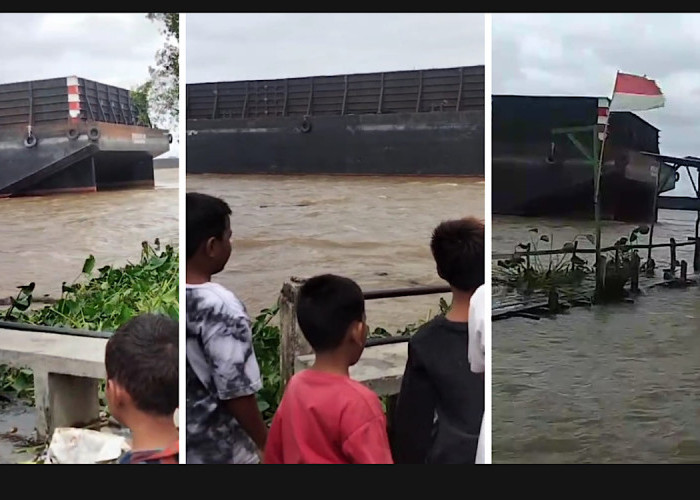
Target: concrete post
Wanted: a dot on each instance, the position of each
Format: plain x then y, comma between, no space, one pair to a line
64,401
292,342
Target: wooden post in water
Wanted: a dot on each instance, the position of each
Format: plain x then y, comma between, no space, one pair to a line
600,278
673,256
553,300
684,271
292,342
634,278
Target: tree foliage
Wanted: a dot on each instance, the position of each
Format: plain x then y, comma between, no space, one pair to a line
162,88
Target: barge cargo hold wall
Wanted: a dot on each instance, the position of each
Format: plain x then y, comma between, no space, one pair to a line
538,170
73,135
427,122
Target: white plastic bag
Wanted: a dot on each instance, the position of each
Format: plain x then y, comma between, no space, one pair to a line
83,446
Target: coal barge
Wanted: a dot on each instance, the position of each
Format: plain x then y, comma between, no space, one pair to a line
428,123
73,135
544,152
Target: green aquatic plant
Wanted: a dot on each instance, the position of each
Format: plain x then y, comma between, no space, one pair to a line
620,265
411,328
527,272
266,343
563,270
99,300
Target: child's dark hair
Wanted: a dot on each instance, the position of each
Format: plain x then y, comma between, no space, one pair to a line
206,218
326,307
142,356
458,249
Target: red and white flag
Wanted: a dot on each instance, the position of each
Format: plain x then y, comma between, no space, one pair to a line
635,93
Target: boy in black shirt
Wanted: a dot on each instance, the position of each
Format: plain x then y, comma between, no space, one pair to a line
439,410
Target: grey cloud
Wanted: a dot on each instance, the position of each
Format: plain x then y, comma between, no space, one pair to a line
115,49
260,46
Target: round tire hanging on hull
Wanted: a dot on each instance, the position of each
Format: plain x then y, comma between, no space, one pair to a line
170,138
305,127
73,134
30,141
94,134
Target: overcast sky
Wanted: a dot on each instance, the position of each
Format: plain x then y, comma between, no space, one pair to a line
579,54
261,46
114,49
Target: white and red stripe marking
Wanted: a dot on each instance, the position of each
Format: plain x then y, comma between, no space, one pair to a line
635,93
603,114
73,96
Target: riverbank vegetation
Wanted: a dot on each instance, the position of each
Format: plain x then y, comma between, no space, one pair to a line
532,269
99,300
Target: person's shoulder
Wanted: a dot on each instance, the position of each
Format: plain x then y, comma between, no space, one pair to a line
477,312
427,329
168,455
213,295
479,295
478,301
363,400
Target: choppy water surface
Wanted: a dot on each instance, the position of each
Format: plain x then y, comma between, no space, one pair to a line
618,383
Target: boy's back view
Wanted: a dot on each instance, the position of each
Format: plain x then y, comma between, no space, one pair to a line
441,403
141,360
325,417
224,424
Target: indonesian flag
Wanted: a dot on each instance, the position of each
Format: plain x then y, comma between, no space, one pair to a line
635,93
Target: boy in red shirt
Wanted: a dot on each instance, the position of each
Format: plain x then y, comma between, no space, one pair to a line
325,417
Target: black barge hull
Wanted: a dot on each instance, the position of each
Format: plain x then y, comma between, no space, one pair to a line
543,154
73,135
403,123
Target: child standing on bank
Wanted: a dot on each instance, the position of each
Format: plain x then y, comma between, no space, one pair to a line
441,403
224,424
141,361
325,417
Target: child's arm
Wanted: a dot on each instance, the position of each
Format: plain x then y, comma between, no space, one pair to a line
236,374
413,417
246,411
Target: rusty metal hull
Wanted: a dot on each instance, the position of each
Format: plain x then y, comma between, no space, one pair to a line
77,156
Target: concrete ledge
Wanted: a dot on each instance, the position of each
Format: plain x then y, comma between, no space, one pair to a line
54,353
380,368
66,372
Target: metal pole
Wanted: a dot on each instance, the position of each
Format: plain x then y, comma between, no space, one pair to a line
696,256
596,198
655,212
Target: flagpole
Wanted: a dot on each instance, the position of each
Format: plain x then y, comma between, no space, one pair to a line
596,198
